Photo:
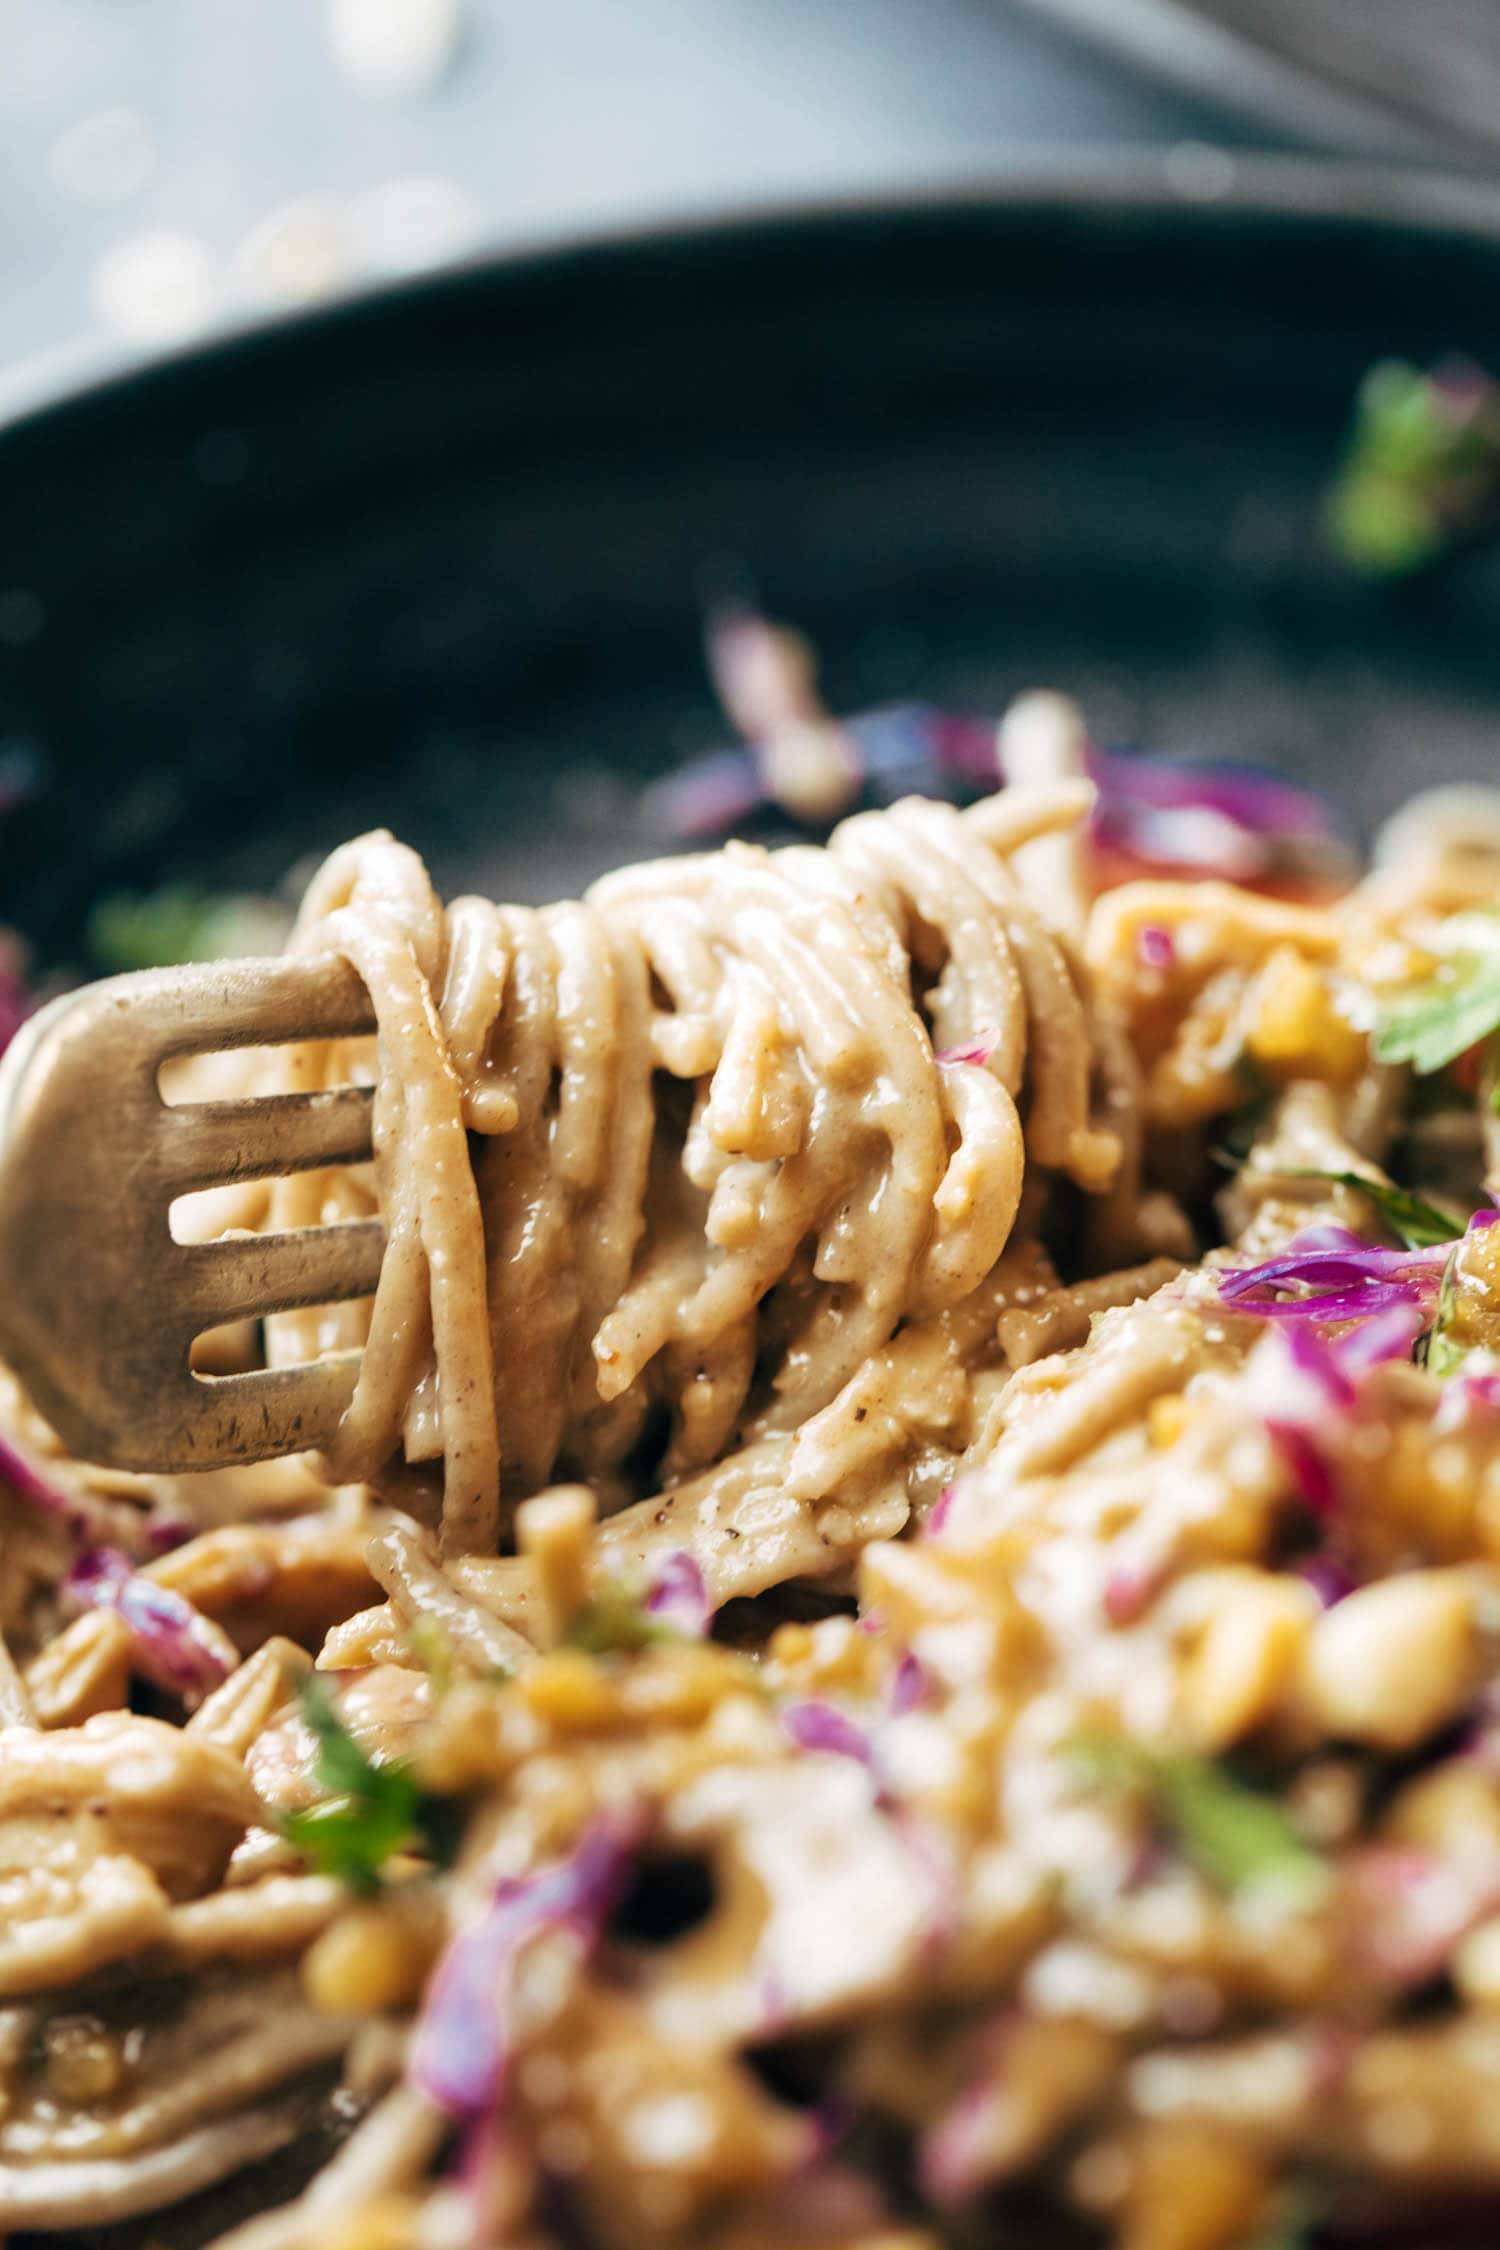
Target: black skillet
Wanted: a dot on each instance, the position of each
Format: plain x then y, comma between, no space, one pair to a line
438,558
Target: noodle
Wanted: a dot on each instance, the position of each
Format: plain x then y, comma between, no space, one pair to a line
899,1645
717,1153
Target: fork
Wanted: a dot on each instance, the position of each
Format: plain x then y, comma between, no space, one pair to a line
99,1305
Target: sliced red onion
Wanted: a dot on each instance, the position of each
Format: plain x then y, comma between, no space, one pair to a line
1155,947
816,1725
173,1645
463,2043
679,1595
978,1050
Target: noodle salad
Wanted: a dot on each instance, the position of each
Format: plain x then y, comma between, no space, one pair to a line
900,1647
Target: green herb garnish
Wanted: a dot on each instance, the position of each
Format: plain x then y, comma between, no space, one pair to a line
1233,1835
615,1620
432,1646
371,1811
1416,1223
161,929
1439,1350
1421,470
1436,1022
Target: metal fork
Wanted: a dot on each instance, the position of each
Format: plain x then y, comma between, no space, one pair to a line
99,1306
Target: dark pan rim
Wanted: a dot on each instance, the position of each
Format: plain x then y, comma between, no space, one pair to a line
1208,185
1176,41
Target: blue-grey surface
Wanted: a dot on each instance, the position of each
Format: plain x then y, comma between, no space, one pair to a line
555,115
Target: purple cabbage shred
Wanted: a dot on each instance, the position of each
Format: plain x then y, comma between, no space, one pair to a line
462,2047
172,1643
679,1596
816,1725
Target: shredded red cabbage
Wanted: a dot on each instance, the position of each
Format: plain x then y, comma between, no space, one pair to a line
955,2155
1330,1274
953,2159
978,1050
87,1521
1470,1392
461,2050
816,1725
1233,821
1128,1589
1248,795
910,1685
1155,947
939,1512
679,1596
172,1643
28,1483
1329,1579
1308,1384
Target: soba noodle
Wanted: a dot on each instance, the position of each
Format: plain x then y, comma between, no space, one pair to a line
898,1647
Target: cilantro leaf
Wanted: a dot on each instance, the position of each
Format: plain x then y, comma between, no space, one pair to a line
1415,1222
371,1811
342,1766
1436,1022
1233,1835
1441,1352
353,1837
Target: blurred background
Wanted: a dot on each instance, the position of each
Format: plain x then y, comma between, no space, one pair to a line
1062,373
170,166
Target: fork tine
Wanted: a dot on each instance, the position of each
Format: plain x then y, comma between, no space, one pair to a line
216,1005
269,1411
240,1276
100,1305
205,1142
